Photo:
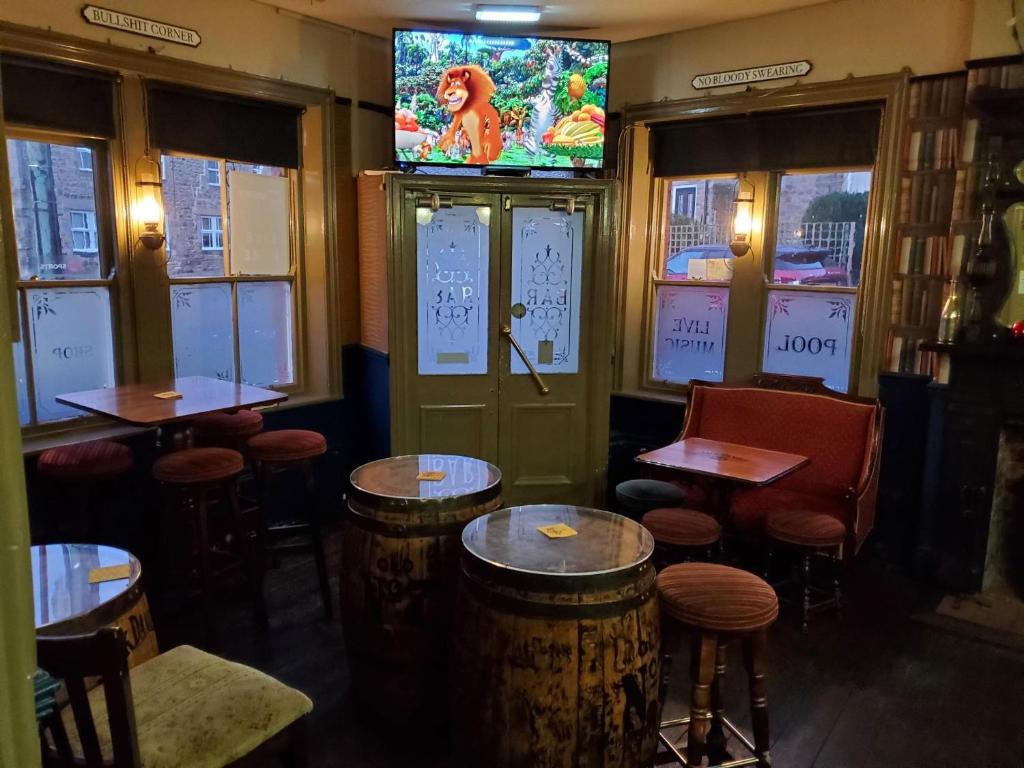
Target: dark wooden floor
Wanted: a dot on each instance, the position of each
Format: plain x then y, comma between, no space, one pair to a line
877,689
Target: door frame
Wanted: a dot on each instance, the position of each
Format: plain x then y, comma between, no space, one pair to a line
402,286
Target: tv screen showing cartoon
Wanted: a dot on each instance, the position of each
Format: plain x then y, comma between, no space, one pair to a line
467,99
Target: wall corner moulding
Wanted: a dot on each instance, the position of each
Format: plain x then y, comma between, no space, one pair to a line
137,25
751,75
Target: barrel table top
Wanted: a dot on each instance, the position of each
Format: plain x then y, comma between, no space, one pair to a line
60,582
603,542
428,476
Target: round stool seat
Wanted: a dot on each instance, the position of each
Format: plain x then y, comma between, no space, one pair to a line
198,465
679,527
94,460
243,423
805,529
642,495
287,445
716,597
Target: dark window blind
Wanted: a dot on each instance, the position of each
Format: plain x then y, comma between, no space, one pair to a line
43,94
222,125
768,141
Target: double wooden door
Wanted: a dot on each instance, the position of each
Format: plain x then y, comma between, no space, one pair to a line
500,330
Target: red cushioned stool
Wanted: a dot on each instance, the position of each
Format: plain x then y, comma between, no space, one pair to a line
279,451
78,471
227,430
716,603
680,532
190,480
810,533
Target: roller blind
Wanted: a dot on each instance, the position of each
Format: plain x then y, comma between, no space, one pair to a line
222,125
768,141
43,94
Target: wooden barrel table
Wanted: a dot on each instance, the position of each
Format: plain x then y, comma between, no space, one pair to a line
79,588
400,555
557,641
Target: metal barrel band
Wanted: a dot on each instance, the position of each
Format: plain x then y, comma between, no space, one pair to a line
412,529
443,504
558,583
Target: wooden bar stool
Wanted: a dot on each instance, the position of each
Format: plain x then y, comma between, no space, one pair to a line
810,533
717,603
189,480
77,472
279,451
680,533
227,430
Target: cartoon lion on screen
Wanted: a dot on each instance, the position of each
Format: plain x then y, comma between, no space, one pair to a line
466,92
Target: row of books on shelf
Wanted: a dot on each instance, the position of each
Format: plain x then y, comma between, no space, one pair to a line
933,149
937,97
918,303
926,199
965,192
903,354
938,255
1006,76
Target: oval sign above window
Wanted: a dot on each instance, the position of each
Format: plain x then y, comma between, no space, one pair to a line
751,75
137,25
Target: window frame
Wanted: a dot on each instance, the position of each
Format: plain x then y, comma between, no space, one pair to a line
104,154
293,277
82,164
91,233
216,233
212,172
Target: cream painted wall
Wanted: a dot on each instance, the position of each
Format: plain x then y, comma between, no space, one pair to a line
859,37
247,36
991,35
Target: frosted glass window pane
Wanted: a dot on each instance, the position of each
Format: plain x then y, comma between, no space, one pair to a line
53,190
203,330
810,334
20,378
258,208
547,272
690,325
452,259
195,224
72,348
265,333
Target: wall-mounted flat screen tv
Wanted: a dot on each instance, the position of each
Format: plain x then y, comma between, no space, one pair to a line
502,101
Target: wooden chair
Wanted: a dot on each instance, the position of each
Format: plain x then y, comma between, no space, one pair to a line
185,707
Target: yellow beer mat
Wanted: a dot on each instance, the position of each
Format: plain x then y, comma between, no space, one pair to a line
557,531
172,395
108,573
431,475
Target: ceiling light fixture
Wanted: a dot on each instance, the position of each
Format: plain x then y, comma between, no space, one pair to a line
516,14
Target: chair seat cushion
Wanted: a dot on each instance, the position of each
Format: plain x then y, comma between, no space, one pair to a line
243,423
716,597
198,465
805,528
196,710
642,495
750,508
287,445
86,461
679,527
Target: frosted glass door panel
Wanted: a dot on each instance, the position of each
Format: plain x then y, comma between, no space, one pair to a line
690,325
547,273
201,324
20,377
70,337
259,224
265,333
810,334
452,260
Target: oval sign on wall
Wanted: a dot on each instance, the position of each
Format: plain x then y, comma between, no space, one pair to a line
751,75
136,25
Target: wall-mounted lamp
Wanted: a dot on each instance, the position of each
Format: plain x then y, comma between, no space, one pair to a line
147,211
743,220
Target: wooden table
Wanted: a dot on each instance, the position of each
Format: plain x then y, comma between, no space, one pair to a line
725,465
136,403
67,604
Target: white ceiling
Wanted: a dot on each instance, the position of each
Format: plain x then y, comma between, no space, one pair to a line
616,20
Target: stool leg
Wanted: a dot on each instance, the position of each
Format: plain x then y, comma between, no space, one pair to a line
754,648
768,554
837,589
716,734
249,550
316,531
807,589
205,569
700,701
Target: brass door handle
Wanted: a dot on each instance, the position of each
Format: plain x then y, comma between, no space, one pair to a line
506,331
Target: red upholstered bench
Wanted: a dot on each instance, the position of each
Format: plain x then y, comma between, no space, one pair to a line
841,435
